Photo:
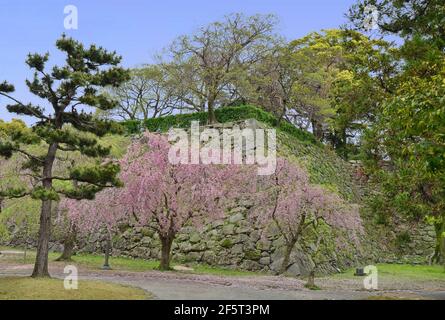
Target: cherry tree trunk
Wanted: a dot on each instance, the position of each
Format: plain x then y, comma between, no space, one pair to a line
288,250
107,254
311,280
166,245
68,245
317,129
211,111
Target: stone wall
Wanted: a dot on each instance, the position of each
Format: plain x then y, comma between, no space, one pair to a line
413,243
235,243
232,243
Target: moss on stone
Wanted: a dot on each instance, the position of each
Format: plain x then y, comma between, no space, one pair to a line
227,243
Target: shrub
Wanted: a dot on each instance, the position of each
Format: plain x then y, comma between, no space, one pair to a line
223,115
402,239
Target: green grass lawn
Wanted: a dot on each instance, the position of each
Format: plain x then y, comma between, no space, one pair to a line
414,272
128,264
25,288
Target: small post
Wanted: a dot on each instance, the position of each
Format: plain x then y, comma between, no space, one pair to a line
359,272
106,265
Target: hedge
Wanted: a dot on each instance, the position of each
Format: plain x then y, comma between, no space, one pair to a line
223,115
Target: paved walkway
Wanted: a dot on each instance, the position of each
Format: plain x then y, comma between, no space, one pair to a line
184,288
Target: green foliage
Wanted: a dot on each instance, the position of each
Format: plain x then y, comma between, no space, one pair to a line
404,146
252,255
97,174
226,243
341,77
66,130
6,87
409,137
19,217
42,193
223,115
405,18
81,192
402,239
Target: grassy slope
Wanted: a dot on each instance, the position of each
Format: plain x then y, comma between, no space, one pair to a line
25,288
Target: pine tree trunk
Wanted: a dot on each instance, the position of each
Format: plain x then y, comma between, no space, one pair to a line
41,263
68,245
166,245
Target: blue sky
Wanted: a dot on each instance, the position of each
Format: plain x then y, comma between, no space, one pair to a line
136,29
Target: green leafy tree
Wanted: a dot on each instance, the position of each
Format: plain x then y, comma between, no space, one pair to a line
69,90
404,17
271,83
328,82
404,148
405,153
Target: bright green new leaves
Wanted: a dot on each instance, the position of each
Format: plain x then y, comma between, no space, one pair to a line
405,151
404,147
342,76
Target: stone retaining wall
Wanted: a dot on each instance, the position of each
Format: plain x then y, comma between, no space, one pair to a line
231,243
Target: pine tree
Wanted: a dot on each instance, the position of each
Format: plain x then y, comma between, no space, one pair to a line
65,126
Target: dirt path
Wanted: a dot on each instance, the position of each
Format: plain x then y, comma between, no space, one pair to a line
183,286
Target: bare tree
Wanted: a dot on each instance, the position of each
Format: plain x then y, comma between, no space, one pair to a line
146,95
204,66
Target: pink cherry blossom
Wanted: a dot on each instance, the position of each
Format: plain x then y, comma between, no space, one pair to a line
288,200
169,196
